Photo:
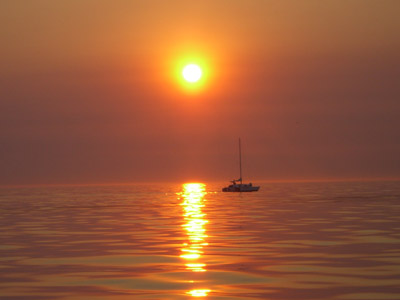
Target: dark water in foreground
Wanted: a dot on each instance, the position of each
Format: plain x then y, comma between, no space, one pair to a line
288,241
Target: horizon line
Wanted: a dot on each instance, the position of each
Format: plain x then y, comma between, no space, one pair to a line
125,183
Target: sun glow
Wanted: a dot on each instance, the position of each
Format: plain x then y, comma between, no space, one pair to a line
192,73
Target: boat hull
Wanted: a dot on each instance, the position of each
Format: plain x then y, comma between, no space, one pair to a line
240,188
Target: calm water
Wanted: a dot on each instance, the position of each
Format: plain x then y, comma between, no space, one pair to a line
288,241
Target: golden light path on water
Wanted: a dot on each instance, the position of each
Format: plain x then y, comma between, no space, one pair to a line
193,202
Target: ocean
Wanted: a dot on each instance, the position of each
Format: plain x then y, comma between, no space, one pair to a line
314,240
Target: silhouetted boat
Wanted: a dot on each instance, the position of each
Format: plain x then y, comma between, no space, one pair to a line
240,187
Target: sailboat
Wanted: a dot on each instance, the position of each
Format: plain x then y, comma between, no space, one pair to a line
237,184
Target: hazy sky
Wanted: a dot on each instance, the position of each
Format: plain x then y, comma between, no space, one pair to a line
88,91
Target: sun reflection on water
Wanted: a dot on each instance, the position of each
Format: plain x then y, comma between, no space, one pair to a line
198,293
193,202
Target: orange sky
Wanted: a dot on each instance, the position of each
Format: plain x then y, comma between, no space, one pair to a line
87,95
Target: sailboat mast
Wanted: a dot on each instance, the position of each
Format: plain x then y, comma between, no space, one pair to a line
240,161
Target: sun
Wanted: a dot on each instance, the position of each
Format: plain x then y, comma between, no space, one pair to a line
192,73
